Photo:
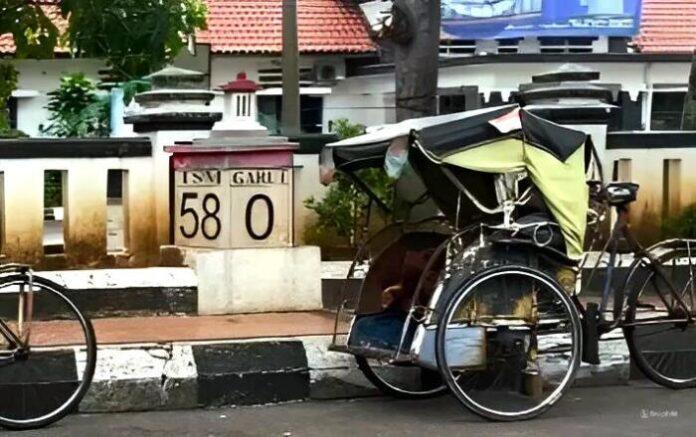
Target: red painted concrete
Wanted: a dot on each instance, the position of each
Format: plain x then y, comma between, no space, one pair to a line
172,328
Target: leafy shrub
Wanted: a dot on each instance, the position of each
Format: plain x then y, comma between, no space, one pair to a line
77,110
682,225
8,83
342,210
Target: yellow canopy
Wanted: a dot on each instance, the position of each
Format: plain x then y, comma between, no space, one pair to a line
562,184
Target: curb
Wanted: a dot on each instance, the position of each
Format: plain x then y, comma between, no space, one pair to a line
254,372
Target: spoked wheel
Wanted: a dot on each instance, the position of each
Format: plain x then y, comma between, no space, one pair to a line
47,379
404,381
508,343
661,340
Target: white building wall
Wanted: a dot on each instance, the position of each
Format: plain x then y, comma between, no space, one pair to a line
39,77
370,99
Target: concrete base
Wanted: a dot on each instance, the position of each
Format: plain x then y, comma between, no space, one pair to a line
238,281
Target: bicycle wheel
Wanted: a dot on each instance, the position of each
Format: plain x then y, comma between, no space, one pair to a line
661,342
509,343
404,381
48,379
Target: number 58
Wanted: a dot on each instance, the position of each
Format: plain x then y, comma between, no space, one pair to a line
210,213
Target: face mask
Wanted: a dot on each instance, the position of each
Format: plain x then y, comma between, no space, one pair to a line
396,158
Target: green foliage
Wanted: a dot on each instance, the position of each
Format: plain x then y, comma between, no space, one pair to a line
8,83
682,225
77,110
343,209
343,128
135,37
133,87
53,188
34,35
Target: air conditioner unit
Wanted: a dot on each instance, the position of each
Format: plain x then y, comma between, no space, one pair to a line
328,72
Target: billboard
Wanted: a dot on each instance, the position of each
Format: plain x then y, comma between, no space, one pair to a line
497,19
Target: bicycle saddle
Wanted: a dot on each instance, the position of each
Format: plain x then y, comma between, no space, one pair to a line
621,193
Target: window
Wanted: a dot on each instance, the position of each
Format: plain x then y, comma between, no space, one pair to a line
630,117
54,211
457,99
311,113
566,45
451,104
457,47
666,111
509,45
116,211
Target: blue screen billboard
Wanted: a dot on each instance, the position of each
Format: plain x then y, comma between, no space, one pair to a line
488,19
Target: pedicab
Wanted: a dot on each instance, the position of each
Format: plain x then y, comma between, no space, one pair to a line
473,289
469,289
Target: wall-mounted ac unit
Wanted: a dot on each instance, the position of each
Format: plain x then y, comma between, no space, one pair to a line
329,72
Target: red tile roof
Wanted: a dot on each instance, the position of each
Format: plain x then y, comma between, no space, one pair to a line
254,26
52,11
667,26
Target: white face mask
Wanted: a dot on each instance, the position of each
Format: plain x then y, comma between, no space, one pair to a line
396,157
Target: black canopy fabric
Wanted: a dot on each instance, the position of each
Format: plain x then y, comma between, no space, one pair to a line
369,150
558,140
442,135
444,139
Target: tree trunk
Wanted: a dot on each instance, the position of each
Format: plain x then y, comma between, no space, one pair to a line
689,115
416,62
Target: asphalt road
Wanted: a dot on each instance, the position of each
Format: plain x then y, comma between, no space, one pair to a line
635,410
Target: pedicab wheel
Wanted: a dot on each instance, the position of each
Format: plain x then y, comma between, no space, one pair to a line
403,382
661,345
509,343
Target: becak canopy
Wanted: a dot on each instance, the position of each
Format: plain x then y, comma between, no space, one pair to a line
496,140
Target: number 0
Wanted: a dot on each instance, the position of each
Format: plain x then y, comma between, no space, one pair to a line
249,211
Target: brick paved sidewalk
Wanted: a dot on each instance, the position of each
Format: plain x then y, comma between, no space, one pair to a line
166,329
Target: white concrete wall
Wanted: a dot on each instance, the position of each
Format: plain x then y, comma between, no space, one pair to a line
306,185
647,169
44,76
259,280
85,209
369,99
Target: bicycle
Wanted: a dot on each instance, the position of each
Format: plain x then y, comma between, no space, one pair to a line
48,350
654,306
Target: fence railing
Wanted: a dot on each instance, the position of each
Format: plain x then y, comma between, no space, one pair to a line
77,202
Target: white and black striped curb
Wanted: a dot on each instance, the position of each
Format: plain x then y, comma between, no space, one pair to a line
253,372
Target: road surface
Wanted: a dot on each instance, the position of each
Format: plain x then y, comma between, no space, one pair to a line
635,410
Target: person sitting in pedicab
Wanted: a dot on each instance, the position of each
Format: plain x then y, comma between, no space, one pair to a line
383,330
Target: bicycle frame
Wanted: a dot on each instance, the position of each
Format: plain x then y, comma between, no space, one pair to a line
643,257
18,345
